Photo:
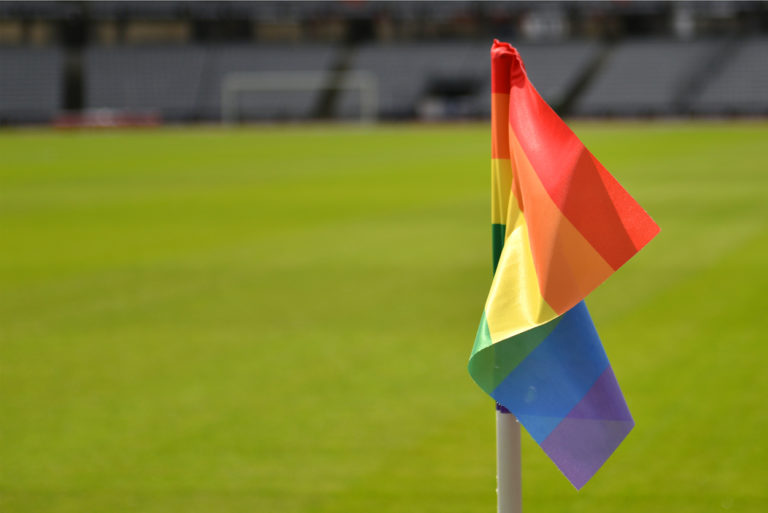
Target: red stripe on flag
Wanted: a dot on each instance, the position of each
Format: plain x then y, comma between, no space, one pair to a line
507,68
592,200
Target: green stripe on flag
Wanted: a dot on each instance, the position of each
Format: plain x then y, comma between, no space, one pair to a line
497,237
490,363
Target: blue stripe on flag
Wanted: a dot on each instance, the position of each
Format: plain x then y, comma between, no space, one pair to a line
555,376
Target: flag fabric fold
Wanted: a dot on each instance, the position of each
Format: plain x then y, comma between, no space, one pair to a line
561,225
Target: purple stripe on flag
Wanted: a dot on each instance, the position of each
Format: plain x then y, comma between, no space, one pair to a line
590,433
603,401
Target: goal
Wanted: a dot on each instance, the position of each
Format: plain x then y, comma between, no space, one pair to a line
234,85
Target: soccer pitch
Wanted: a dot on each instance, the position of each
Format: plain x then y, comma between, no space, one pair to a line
279,320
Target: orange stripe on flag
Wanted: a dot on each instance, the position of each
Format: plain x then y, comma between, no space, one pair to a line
568,267
500,126
594,202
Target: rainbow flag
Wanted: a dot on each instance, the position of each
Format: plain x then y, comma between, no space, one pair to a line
561,224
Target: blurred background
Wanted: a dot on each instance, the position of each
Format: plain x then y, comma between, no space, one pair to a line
150,62
245,246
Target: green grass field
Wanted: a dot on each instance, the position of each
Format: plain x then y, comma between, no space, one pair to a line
279,320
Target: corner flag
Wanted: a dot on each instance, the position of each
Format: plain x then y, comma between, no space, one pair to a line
561,225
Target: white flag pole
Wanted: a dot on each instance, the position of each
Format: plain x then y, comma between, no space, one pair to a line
508,470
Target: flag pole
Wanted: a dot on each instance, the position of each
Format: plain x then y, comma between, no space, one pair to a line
508,468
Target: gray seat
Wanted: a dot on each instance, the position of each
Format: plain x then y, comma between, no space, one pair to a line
185,82
279,104
741,86
553,68
404,71
31,84
645,77
162,79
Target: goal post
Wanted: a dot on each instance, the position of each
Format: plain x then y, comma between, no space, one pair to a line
235,84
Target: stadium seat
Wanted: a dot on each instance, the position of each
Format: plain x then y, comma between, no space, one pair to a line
643,77
163,79
404,72
31,83
185,82
278,104
741,83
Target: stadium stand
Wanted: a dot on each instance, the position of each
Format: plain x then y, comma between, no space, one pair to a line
162,79
741,86
645,77
30,84
404,71
411,74
554,68
168,60
184,82
278,104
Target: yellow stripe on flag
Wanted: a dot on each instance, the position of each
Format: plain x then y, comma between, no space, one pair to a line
501,185
514,303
